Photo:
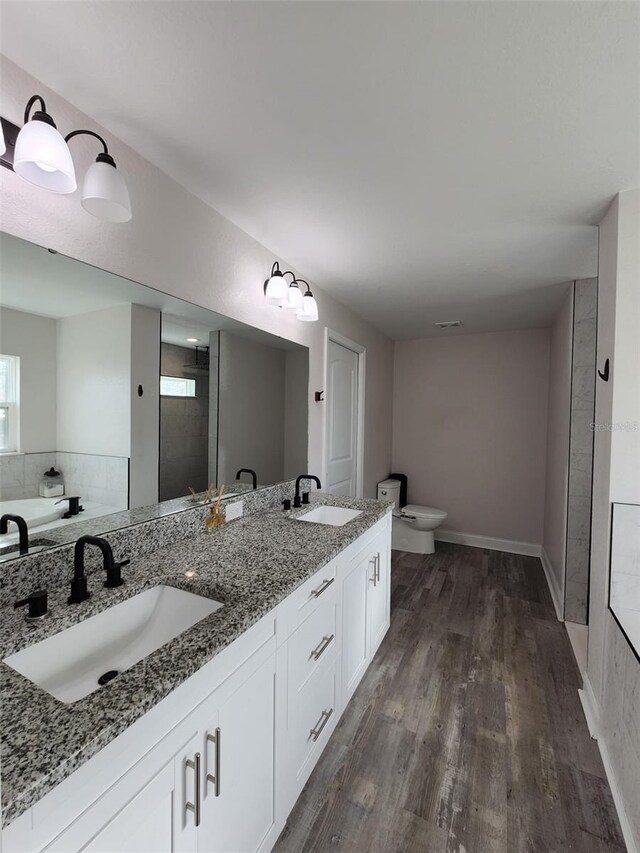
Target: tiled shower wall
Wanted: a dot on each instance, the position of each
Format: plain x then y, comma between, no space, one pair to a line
576,596
103,479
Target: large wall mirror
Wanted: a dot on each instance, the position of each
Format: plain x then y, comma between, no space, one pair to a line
624,575
127,397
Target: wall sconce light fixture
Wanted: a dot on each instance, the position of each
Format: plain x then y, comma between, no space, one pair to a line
39,154
289,296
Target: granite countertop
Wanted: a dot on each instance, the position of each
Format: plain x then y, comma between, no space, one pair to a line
250,565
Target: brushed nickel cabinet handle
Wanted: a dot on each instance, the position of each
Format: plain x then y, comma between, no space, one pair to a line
325,585
321,649
316,731
374,579
195,805
215,777
378,567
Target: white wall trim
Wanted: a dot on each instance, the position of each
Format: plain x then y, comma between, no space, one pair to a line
591,710
554,589
330,335
590,707
528,549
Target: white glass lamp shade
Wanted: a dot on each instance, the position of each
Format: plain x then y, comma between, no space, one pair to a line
42,157
294,298
309,311
276,292
105,194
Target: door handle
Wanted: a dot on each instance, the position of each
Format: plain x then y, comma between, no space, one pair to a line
378,567
321,649
316,731
325,585
215,777
194,807
374,579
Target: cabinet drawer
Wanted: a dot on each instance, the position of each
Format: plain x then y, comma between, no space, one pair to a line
314,717
312,594
313,642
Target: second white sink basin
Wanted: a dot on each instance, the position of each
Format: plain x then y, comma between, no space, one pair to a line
69,664
336,516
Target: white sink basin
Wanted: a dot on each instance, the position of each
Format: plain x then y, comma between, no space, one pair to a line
336,516
69,664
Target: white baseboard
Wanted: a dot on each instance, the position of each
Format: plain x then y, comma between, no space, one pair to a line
552,583
528,549
591,709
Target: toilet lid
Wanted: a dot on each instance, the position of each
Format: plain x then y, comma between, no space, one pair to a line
423,511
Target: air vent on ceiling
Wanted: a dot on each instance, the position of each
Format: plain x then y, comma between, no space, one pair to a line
448,324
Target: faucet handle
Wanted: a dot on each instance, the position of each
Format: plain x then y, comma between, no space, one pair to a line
114,576
37,602
305,497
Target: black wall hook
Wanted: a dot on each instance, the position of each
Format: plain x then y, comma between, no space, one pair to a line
319,396
604,374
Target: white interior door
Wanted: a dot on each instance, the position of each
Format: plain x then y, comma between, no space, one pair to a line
342,420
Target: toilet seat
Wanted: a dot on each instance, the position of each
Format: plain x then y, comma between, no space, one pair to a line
423,511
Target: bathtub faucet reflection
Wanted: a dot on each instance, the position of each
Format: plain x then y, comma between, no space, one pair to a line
22,530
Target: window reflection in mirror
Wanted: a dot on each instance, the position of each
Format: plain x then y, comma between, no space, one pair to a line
132,397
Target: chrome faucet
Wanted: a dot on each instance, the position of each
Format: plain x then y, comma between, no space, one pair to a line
305,495
23,531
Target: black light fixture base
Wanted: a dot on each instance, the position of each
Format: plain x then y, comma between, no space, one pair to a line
10,132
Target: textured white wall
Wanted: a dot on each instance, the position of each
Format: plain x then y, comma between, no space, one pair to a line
613,672
93,364
625,443
557,471
33,339
180,245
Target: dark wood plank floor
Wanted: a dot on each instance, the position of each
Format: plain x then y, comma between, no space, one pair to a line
466,734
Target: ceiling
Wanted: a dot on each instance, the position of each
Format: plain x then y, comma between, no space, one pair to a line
420,161
37,281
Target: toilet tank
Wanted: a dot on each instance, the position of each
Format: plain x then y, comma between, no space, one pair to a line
389,490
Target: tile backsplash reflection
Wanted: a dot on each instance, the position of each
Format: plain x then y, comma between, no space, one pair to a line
101,479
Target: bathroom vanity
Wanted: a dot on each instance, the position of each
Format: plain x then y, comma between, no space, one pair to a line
206,743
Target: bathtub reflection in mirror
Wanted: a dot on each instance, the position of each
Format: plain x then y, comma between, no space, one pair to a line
125,397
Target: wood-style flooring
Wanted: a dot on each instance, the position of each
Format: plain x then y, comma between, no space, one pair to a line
466,734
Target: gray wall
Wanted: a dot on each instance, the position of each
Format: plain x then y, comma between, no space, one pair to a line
184,425
581,450
251,409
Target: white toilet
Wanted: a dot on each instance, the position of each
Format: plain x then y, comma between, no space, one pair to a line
413,525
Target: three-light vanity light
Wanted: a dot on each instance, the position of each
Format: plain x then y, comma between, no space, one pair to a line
42,157
278,291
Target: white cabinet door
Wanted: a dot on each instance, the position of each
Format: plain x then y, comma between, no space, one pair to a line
378,593
238,768
354,623
154,820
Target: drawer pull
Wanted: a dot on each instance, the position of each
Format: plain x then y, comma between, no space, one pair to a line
195,805
321,649
214,777
322,722
325,585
